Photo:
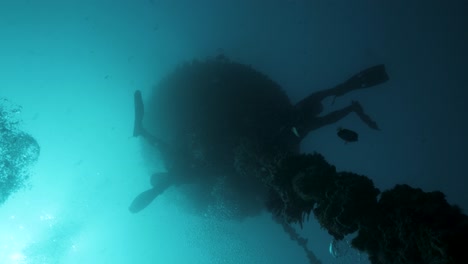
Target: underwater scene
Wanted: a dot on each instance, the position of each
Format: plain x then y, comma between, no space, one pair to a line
233,131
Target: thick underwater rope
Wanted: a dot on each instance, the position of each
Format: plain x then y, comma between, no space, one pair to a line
302,242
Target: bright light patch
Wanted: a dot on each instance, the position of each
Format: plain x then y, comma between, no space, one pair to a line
46,216
74,248
16,257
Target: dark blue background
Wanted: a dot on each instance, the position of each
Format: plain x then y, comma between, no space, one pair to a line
73,66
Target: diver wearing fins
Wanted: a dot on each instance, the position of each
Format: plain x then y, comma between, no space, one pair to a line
184,166
311,107
142,200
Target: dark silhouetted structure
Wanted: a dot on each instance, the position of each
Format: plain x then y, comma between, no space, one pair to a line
218,121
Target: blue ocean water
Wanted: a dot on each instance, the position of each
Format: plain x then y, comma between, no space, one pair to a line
73,66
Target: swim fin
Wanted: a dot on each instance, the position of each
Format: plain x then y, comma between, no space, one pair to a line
143,200
139,111
369,77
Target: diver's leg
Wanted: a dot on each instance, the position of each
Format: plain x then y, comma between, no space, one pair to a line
307,125
331,118
355,107
336,116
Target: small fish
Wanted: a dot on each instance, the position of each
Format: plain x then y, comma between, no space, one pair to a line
294,130
347,135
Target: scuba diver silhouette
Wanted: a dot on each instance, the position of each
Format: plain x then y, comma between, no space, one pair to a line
183,166
309,109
